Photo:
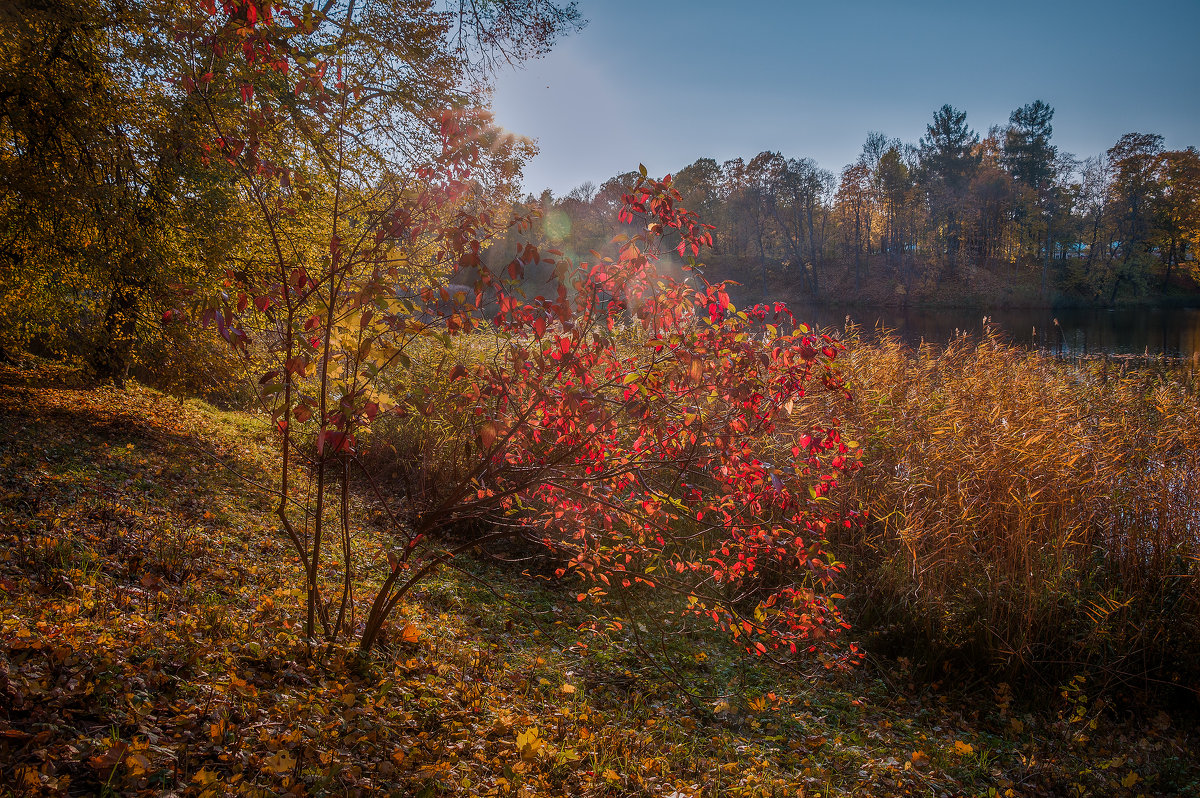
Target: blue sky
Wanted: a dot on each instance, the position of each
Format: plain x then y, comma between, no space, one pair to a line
663,82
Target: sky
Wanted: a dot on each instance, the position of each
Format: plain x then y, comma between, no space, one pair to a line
664,82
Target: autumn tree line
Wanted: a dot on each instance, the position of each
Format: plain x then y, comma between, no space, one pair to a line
115,192
958,217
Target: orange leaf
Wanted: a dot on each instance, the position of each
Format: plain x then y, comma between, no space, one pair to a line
410,634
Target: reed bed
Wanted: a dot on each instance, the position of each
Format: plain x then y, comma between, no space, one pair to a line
1029,517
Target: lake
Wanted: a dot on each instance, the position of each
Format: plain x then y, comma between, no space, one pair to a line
1174,332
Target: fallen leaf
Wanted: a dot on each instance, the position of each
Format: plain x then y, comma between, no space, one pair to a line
528,742
282,762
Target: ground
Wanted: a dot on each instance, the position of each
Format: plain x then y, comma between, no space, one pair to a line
150,618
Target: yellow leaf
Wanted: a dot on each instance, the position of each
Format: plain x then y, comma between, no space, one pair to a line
611,775
1017,725
528,743
138,764
567,689
962,748
282,762
1131,779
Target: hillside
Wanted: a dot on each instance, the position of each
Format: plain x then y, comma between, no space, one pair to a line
149,645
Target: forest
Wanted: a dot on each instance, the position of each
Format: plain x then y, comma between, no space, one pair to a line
328,466
955,219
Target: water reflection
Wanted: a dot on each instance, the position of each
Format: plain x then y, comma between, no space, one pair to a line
1174,332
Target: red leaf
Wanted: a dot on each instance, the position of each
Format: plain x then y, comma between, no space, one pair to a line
298,278
334,439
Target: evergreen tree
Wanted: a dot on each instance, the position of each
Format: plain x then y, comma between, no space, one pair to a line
949,160
1028,154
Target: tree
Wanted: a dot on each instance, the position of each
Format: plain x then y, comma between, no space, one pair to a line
103,196
1090,198
800,198
1028,154
734,241
1177,222
1030,159
584,193
759,203
699,184
948,149
948,161
896,185
108,189
989,201
646,458
873,150
853,195
1136,161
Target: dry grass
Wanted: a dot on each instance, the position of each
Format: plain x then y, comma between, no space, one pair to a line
1029,515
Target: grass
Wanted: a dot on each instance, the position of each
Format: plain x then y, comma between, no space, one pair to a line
149,644
1037,518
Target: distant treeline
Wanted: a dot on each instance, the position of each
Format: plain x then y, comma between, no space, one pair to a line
1003,218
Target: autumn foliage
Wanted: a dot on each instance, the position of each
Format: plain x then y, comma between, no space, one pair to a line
640,426
178,584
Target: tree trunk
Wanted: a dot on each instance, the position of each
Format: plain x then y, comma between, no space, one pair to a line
111,359
858,251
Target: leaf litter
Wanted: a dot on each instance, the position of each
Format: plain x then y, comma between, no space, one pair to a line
150,644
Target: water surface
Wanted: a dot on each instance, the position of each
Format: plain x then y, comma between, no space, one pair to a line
1174,332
